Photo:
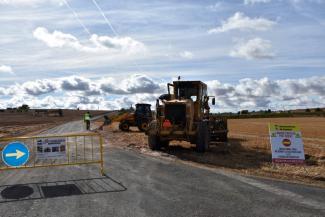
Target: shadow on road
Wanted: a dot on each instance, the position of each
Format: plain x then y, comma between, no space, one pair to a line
234,156
42,190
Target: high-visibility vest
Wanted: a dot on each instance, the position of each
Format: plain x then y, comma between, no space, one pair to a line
87,117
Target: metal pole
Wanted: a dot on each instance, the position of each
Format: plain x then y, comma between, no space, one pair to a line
92,148
35,150
68,147
101,155
76,148
84,148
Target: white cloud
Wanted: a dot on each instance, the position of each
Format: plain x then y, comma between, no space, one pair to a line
265,93
124,44
57,39
75,83
38,87
6,69
127,101
110,93
84,93
241,22
186,55
256,48
141,84
134,84
111,85
247,2
313,85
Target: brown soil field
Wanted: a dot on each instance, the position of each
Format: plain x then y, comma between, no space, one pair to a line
254,133
311,127
22,123
248,151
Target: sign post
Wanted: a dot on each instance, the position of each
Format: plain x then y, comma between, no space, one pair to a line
286,143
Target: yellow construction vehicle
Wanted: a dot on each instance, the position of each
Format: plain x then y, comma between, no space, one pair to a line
140,118
184,115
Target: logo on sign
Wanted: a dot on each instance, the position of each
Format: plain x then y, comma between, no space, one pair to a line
15,154
286,142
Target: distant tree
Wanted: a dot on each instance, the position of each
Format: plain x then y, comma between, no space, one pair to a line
269,111
122,111
244,112
318,110
23,108
307,110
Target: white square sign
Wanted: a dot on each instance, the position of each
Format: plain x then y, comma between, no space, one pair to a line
51,148
286,143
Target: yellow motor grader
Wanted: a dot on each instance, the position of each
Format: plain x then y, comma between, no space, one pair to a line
184,115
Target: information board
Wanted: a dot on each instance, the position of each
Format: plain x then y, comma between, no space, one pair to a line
51,148
286,143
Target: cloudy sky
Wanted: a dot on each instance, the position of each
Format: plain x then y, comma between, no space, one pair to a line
90,54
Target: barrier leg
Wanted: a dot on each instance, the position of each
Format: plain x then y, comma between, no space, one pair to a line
101,156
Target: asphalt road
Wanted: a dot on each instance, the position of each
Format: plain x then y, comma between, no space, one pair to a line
140,185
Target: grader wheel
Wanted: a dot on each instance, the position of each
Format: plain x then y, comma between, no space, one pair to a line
143,126
203,137
154,142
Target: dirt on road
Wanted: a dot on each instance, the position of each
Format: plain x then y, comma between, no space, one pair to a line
248,151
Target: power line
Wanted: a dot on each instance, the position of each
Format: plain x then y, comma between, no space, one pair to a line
77,17
107,22
105,18
114,31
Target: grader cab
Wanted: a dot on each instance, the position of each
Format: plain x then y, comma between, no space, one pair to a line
184,115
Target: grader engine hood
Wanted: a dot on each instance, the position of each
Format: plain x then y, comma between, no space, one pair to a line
178,115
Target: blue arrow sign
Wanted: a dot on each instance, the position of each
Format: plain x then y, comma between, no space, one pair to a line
15,154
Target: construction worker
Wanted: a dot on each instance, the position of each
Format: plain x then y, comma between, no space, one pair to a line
107,121
87,117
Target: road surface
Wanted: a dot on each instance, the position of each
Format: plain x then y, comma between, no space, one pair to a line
140,185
